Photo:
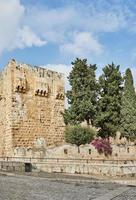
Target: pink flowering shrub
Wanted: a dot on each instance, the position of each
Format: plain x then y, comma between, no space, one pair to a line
102,146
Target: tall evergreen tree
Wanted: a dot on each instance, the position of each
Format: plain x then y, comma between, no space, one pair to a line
109,103
128,112
83,94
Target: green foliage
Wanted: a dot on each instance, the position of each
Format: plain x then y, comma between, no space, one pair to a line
83,94
79,135
109,103
128,112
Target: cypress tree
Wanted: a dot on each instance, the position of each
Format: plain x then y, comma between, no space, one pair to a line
128,112
109,103
83,94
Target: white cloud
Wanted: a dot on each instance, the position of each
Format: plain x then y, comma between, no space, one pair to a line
74,29
11,13
134,74
58,25
25,37
52,24
59,21
83,44
107,21
65,69
12,32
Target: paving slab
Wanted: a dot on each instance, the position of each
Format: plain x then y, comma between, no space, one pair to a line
111,195
21,187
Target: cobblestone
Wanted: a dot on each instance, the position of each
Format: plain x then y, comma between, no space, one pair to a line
129,195
21,187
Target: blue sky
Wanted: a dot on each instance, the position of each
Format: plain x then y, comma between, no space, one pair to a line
54,32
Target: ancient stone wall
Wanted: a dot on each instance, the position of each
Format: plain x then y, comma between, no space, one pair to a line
31,102
68,159
5,111
87,166
88,151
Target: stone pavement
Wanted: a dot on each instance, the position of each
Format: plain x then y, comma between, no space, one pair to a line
58,187
113,194
128,195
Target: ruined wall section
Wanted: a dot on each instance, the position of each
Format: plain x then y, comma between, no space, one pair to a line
37,100
6,78
2,115
57,130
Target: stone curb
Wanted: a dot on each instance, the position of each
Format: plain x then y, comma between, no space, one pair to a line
102,181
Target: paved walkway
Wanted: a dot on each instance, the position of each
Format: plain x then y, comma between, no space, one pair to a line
113,194
56,187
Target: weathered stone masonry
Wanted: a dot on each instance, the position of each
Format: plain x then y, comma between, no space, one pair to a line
31,102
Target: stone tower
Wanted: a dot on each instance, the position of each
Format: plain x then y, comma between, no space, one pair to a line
31,102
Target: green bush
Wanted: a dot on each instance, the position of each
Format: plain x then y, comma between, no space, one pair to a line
79,135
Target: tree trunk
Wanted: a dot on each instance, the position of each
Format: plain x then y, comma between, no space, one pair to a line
78,149
88,122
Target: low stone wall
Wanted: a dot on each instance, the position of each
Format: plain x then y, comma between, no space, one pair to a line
88,151
9,166
86,166
67,159
71,166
